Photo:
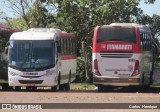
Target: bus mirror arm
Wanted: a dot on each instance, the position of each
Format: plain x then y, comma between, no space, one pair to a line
7,44
58,49
56,61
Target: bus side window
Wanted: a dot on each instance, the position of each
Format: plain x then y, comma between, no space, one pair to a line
145,42
59,47
74,46
68,46
150,42
142,41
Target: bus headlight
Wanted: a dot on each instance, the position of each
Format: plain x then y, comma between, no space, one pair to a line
12,73
48,73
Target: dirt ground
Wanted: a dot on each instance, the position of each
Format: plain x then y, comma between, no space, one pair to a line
118,95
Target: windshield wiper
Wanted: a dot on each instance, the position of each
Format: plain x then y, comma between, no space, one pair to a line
115,40
25,60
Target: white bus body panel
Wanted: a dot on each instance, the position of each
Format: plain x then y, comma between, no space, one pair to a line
66,68
116,69
46,77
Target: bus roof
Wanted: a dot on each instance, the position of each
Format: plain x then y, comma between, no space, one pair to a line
141,27
39,34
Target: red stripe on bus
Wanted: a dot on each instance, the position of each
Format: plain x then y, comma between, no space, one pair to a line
68,57
100,47
66,35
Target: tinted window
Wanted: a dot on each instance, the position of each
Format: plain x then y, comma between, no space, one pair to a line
116,34
31,53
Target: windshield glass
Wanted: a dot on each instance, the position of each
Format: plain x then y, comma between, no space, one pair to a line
116,34
31,53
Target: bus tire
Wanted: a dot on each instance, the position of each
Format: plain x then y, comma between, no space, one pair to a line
6,87
151,78
29,88
34,88
67,85
151,73
61,86
100,88
54,88
17,88
144,86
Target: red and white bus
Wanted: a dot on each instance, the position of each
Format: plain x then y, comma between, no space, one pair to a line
44,57
122,55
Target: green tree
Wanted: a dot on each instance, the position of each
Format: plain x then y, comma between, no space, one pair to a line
35,13
152,21
17,23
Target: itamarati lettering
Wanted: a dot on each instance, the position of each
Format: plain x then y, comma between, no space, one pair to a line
119,47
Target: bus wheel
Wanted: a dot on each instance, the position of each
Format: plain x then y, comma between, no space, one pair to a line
151,78
54,89
60,86
34,88
29,88
144,86
67,85
17,88
6,87
151,74
100,88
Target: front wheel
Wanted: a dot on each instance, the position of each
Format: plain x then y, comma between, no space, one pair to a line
100,88
18,88
54,89
29,88
67,86
6,87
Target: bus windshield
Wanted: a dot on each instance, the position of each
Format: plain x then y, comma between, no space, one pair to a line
31,53
116,34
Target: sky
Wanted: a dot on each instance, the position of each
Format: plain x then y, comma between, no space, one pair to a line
149,9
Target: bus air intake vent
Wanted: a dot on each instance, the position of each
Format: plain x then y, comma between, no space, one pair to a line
31,81
112,55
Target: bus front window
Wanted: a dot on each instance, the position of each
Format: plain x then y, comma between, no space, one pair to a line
31,53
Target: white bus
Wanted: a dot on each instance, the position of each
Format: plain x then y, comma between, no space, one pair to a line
123,55
42,57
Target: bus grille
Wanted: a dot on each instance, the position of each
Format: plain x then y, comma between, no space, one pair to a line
30,81
31,76
117,55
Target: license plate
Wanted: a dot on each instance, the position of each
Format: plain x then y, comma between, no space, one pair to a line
30,84
115,80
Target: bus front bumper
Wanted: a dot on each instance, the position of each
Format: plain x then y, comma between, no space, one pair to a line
41,81
116,81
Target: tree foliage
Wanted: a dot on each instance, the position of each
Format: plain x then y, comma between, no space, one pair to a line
33,12
153,22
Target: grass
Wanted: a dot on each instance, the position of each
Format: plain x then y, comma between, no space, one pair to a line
155,85
82,86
